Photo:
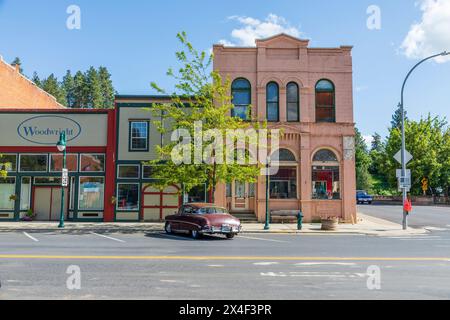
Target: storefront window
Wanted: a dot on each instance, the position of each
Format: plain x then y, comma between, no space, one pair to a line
8,162
128,171
325,182
7,189
325,175
127,196
283,185
91,193
33,163
25,193
56,162
92,163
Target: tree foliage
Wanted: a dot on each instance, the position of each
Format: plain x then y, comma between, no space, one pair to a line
90,89
427,141
363,162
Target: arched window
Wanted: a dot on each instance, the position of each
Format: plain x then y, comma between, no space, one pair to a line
292,103
283,184
325,155
325,176
241,93
272,102
325,101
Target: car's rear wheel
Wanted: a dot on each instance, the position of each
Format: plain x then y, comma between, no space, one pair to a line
230,235
195,234
168,228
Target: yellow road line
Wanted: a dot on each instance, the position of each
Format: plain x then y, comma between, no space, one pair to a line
230,258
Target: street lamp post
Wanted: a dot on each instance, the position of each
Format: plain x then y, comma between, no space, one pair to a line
403,150
267,226
61,145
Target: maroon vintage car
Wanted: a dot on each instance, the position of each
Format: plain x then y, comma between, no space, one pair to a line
197,219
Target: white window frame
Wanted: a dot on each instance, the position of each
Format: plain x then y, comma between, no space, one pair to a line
17,164
29,193
33,154
147,138
94,154
128,165
50,162
15,185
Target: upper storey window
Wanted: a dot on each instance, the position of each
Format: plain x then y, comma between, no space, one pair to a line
325,101
292,102
241,93
272,102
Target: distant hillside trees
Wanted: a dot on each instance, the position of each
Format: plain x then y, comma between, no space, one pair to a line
90,89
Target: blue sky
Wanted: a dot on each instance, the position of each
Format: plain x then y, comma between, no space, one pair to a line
136,41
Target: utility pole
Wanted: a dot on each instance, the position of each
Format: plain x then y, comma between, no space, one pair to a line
403,151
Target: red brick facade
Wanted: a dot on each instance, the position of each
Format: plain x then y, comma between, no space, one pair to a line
18,92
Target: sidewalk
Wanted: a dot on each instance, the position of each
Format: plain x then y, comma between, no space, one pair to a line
366,226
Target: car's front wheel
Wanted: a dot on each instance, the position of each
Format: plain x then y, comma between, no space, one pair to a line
195,234
168,228
230,235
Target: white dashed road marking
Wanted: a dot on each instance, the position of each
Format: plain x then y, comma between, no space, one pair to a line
325,263
265,263
262,239
110,238
31,237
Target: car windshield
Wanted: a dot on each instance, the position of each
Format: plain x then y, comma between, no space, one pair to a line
362,193
211,210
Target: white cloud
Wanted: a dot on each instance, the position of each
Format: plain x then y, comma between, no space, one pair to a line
252,29
431,35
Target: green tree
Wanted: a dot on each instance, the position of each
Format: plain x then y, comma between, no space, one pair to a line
425,141
202,96
3,172
17,62
53,87
68,85
444,158
94,89
363,161
396,121
36,79
107,88
80,90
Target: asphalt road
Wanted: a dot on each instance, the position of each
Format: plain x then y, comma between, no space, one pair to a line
158,266
421,216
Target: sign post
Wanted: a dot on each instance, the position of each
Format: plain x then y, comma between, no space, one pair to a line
404,176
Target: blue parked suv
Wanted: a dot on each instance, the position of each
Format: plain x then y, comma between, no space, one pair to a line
363,197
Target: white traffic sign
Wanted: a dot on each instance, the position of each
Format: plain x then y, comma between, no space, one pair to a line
65,178
398,156
404,182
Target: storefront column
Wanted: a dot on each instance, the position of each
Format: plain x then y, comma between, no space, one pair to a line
110,181
305,176
348,184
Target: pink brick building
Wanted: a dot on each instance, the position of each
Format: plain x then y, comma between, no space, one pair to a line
307,92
